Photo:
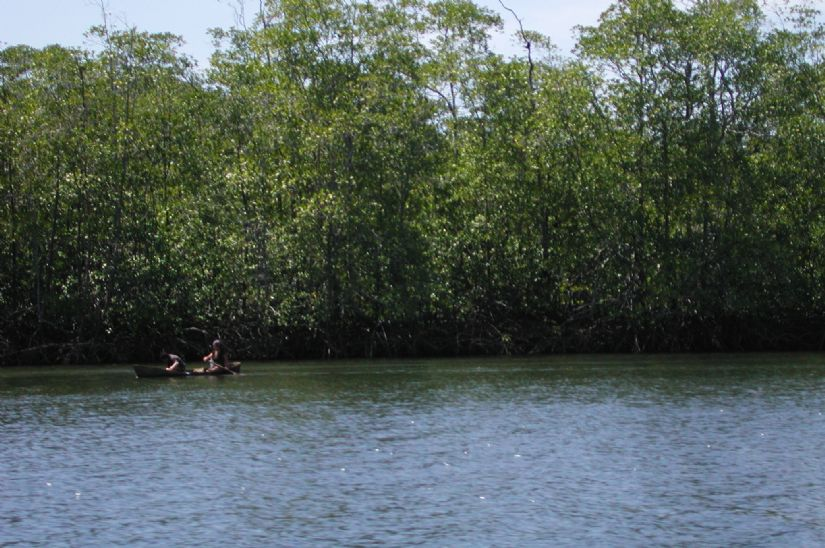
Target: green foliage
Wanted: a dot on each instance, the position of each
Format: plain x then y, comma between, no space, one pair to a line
368,178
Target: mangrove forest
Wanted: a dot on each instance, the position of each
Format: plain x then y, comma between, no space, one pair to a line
368,178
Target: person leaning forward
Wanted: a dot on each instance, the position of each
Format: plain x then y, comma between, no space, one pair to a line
174,363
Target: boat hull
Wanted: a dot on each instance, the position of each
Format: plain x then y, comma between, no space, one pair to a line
149,371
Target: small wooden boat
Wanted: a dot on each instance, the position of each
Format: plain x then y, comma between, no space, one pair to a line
151,371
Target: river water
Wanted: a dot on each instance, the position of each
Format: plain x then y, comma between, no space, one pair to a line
567,451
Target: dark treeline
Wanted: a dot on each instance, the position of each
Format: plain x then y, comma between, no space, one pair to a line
355,178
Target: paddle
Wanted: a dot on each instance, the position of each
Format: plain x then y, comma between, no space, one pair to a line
224,367
213,362
217,346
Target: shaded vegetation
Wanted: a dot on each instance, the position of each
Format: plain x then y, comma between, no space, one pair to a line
369,179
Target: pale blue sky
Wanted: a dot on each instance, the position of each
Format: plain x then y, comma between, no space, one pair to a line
41,22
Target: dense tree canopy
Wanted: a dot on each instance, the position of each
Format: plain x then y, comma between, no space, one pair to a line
362,178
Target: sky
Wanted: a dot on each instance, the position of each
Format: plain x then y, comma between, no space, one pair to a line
39,23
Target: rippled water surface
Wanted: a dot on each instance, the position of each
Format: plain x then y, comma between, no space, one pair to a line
714,450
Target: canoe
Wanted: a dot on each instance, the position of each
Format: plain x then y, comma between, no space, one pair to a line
151,371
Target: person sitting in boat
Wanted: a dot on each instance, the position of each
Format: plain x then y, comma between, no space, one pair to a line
217,359
174,363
